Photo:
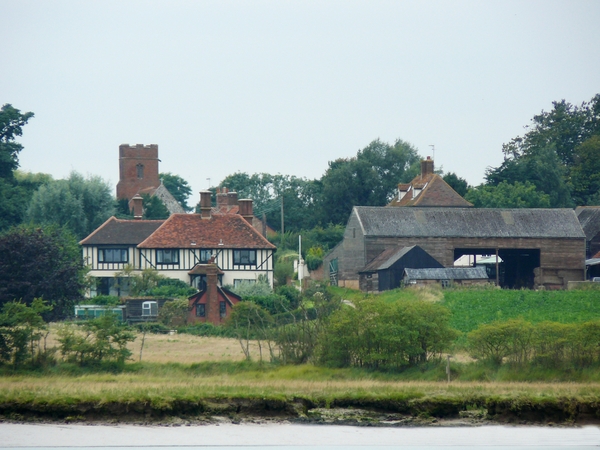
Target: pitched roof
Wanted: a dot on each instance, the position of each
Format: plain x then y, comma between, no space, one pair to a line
122,232
448,273
589,217
192,231
468,222
386,258
434,192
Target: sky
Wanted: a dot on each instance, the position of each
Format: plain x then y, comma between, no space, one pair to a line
286,86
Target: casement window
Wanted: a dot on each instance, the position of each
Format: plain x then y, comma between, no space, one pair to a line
149,309
205,256
113,255
222,309
200,310
244,257
167,256
446,283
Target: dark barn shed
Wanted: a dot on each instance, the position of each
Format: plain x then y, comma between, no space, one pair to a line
537,247
385,272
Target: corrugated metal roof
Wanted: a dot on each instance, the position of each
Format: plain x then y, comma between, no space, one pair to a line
469,222
449,273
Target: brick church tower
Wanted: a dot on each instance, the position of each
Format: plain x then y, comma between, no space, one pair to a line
138,169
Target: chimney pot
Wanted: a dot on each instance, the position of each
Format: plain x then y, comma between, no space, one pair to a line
138,207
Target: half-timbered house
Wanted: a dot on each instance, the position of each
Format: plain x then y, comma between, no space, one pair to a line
177,248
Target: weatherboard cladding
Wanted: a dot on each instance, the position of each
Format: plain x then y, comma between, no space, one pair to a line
192,231
122,232
468,222
451,273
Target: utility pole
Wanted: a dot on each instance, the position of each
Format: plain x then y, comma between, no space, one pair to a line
282,229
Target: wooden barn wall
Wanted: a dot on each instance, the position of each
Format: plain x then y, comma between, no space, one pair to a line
561,260
352,256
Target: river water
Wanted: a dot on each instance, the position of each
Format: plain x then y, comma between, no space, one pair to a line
291,436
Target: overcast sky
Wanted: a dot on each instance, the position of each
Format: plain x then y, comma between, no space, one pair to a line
286,86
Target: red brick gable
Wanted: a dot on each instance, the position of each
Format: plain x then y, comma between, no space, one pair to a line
192,231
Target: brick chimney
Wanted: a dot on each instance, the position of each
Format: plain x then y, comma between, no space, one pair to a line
426,166
213,307
205,204
138,207
246,209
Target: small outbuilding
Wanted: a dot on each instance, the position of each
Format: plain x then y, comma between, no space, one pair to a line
213,303
387,269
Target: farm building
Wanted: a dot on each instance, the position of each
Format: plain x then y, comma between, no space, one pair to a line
589,217
386,270
536,247
447,276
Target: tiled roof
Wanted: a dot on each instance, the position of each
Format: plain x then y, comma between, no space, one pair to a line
468,222
227,231
435,192
449,273
122,232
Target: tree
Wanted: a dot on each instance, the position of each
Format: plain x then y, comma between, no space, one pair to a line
178,187
21,331
548,154
369,179
13,198
585,174
81,204
460,185
507,195
41,262
154,208
11,126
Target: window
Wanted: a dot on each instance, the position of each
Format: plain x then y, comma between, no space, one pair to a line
446,283
150,309
244,257
167,256
222,309
113,255
200,310
205,256
140,171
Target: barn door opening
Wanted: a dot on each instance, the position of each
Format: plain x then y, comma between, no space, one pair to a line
515,265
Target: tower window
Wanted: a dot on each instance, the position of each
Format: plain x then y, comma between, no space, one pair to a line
140,170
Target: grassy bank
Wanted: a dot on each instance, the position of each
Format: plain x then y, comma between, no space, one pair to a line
149,392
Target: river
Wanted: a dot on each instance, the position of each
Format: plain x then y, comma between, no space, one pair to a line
291,436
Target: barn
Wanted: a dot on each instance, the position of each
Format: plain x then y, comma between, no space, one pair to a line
534,247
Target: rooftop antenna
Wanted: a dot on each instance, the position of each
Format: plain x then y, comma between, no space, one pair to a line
208,179
433,151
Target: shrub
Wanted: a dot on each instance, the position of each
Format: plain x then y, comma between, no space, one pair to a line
95,341
174,312
21,331
499,340
378,335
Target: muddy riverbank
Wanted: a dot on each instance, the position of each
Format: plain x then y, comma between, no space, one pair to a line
362,412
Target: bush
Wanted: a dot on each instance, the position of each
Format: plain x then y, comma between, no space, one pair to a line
208,329
174,312
258,288
499,340
21,331
378,335
96,341
103,300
